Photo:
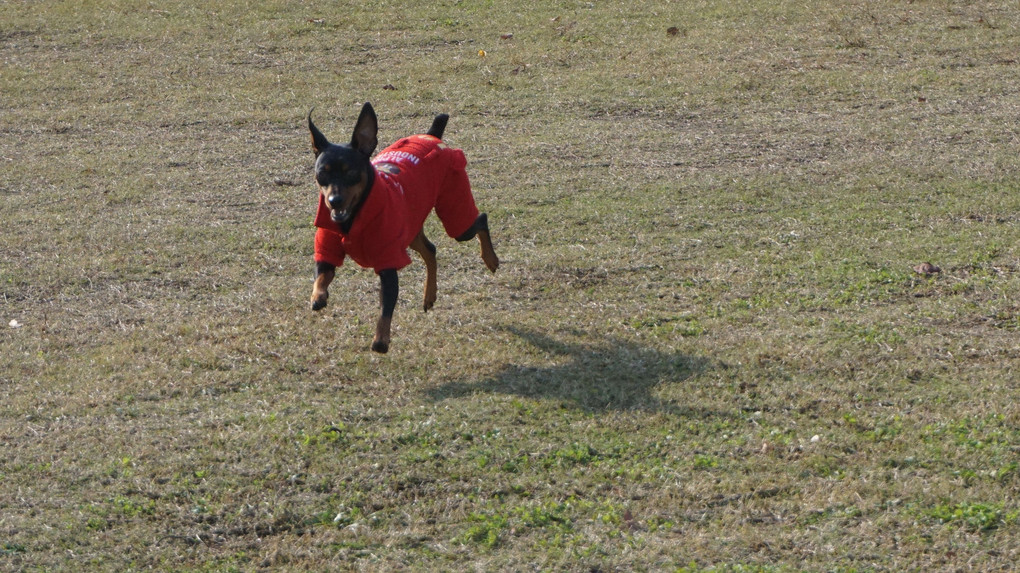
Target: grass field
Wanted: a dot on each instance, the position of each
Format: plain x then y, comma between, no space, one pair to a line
706,349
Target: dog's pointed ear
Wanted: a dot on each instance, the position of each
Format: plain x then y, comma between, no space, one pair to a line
366,131
319,141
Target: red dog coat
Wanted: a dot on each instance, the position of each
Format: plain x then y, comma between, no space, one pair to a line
412,176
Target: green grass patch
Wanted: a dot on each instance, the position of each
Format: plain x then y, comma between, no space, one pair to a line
974,516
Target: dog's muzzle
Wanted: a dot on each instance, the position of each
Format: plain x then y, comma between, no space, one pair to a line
337,212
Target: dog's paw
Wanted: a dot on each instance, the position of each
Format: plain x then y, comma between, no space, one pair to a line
491,261
320,302
380,346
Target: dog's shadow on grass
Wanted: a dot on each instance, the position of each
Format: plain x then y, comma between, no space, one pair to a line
613,375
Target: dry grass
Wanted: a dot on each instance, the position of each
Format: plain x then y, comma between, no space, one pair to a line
705,351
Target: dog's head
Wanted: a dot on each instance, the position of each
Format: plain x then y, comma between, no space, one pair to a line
343,172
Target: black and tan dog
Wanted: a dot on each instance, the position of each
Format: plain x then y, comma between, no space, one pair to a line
372,210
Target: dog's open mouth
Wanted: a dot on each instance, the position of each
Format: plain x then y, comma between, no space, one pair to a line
339,215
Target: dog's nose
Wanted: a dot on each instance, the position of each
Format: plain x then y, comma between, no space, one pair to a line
334,201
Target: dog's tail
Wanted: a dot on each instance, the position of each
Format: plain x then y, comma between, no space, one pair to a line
438,126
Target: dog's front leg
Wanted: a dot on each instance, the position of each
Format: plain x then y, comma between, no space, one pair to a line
324,273
389,289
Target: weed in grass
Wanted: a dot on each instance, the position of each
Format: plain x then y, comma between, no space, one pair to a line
573,455
326,439
487,530
703,462
974,516
668,327
545,517
10,549
884,431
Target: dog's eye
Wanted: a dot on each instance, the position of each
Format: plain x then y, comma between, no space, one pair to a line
351,176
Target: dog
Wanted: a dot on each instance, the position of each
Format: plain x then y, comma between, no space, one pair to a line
372,210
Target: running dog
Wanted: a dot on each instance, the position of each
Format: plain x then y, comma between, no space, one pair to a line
372,210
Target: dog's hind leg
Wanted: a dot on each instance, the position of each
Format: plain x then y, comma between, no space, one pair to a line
488,253
480,229
427,250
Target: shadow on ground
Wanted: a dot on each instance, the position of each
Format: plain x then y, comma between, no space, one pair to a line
615,375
